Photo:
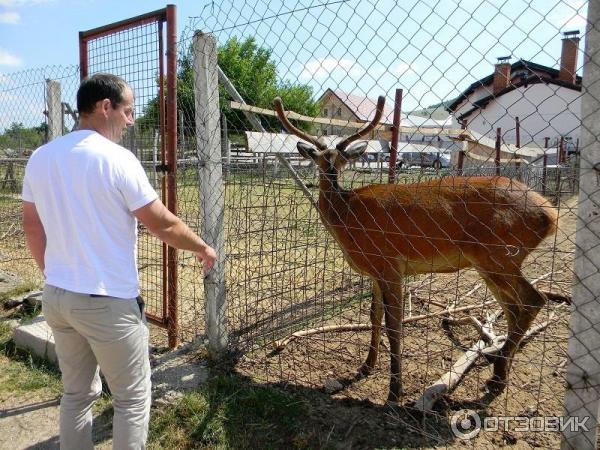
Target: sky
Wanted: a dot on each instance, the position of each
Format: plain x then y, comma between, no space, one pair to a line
431,49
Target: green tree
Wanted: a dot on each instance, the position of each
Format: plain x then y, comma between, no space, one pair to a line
19,137
253,73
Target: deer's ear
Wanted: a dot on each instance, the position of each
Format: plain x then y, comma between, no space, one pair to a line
355,151
307,151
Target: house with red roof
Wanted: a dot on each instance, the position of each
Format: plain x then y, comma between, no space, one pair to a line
340,105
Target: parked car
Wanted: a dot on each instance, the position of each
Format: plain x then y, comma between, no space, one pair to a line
423,159
368,157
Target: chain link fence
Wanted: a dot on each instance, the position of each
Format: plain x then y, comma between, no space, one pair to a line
26,102
296,312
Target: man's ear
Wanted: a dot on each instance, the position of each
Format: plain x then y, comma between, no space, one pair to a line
105,106
307,151
355,151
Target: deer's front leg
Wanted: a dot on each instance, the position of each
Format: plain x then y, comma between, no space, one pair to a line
394,314
376,316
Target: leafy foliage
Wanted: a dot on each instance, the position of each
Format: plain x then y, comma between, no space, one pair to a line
253,73
18,137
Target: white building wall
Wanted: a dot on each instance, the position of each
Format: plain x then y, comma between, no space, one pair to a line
544,110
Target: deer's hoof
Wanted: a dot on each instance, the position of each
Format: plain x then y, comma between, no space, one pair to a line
365,370
394,398
494,385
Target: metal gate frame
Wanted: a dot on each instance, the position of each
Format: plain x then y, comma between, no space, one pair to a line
168,317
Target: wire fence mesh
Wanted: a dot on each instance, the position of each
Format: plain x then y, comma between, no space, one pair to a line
24,124
285,273
135,53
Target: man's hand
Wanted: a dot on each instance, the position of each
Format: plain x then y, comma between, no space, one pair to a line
170,229
207,256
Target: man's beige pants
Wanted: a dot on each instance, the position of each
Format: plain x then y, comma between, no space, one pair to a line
109,334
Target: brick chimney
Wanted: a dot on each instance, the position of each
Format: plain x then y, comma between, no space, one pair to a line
502,74
568,57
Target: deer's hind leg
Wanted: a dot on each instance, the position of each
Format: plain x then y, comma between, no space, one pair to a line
521,303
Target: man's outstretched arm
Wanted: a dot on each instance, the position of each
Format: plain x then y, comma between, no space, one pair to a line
166,226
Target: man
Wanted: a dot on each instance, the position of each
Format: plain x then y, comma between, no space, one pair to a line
82,194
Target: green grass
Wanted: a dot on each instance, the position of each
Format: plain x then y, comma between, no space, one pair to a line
17,291
231,413
21,372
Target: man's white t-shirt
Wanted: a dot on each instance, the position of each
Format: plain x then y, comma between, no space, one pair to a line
85,188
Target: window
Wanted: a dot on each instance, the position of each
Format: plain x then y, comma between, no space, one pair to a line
325,112
339,112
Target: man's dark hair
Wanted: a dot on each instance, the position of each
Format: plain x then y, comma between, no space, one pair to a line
98,87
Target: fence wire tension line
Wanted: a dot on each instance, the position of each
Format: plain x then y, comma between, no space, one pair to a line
364,170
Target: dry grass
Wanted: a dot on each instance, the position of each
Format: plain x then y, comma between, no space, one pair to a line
285,273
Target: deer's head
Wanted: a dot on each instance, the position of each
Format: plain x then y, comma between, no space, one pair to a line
330,161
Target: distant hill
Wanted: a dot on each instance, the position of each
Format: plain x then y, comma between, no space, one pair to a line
437,111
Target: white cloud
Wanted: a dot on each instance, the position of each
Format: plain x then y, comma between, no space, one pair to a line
9,17
571,16
8,59
576,22
323,67
402,68
16,3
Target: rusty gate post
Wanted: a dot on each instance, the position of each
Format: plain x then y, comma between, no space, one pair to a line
171,149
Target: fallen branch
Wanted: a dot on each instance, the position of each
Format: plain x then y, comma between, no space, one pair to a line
451,379
560,368
10,232
282,343
540,278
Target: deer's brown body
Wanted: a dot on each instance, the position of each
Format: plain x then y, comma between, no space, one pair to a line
436,226
389,231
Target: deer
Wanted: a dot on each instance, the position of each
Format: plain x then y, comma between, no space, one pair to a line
390,231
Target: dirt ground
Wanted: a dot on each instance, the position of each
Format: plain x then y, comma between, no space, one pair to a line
358,411
31,420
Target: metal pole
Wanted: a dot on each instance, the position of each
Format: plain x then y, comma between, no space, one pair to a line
582,397
395,137
545,167
225,146
561,150
518,145
163,161
258,127
83,56
181,134
498,144
171,150
461,153
208,139
559,161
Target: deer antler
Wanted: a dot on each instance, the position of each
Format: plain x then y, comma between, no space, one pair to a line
292,129
341,146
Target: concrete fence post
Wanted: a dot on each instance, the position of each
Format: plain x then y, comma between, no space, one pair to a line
583,371
54,109
210,177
